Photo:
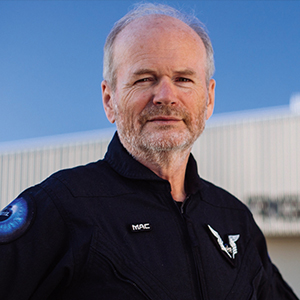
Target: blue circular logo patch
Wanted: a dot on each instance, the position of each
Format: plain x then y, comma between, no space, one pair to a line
15,219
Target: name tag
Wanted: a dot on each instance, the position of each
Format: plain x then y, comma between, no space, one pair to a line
140,227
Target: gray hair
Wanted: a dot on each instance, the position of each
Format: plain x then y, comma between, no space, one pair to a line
144,9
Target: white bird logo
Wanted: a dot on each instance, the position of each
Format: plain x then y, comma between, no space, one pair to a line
230,251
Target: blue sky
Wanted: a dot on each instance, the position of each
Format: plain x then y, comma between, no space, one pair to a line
51,59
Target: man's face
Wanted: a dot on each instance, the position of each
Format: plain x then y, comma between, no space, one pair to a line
161,100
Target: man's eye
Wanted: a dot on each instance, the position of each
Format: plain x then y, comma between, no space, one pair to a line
143,80
182,79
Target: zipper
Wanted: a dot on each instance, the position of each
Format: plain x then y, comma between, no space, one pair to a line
195,251
184,204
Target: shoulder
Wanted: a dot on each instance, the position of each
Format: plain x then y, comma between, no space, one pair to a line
47,202
92,180
52,201
33,210
78,181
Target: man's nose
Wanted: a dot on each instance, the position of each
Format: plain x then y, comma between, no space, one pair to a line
165,93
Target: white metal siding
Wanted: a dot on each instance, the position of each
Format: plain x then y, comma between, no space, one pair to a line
258,159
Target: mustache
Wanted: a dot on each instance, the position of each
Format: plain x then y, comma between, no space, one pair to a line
163,110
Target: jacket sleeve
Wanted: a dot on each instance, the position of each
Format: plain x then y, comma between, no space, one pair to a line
272,285
35,257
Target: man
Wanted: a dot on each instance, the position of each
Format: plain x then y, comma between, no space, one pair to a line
141,224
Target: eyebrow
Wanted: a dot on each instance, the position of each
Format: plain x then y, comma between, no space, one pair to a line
143,71
151,71
185,72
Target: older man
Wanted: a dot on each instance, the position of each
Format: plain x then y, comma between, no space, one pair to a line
141,224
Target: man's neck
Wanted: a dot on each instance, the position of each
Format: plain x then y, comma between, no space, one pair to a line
169,165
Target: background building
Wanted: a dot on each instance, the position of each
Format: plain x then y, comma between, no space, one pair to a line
254,154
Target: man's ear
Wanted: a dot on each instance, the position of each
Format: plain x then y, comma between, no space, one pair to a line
211,98
107,99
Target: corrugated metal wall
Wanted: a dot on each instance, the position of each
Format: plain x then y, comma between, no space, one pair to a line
253,156
257,158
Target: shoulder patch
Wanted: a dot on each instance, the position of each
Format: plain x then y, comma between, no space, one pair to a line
15,219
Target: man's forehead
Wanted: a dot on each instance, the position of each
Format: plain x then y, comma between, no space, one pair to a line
158,41
145,26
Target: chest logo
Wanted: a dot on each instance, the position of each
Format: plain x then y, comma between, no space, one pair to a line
140,227
231,249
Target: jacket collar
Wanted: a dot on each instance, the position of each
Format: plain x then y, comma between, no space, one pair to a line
124,164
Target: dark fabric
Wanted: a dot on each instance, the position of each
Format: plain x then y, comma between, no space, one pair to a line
111,230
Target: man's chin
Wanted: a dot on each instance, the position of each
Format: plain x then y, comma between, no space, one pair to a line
165,141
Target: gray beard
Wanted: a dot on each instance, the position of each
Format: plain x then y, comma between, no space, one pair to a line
151,147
